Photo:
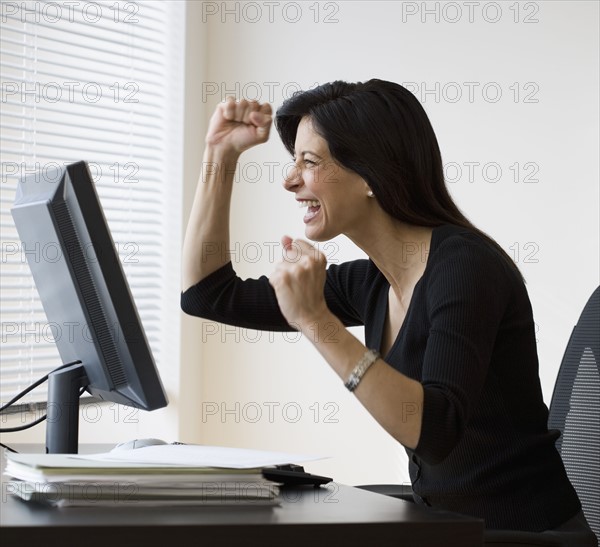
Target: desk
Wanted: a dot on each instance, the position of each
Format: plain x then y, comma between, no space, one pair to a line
336,515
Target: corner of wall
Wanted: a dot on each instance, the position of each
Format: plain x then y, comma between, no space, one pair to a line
195,122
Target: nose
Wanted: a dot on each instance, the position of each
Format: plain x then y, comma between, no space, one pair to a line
292,180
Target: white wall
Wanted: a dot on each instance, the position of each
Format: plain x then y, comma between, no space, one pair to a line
550,129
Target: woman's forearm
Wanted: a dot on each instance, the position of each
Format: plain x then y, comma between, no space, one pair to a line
393,399
206,242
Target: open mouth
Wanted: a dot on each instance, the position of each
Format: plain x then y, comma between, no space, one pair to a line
313,209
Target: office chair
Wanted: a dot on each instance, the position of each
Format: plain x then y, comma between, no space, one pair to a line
575,411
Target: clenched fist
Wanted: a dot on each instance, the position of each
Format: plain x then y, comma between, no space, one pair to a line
299,281
237,126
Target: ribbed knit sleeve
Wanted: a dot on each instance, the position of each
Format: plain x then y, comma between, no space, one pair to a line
467,293
224,297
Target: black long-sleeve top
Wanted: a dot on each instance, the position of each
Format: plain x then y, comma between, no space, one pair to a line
468,337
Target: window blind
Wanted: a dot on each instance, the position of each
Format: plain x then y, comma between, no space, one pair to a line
100,82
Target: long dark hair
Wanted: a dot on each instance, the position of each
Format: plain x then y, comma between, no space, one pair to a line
379,130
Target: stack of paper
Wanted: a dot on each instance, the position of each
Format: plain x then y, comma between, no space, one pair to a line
149,476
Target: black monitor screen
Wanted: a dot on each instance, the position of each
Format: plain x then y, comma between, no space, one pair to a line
84,291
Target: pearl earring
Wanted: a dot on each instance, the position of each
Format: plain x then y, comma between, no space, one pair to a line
370,193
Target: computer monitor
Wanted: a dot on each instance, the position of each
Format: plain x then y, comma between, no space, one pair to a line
85,293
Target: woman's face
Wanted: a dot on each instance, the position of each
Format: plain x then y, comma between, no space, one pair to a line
334,199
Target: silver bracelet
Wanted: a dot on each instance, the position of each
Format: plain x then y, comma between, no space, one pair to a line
361,367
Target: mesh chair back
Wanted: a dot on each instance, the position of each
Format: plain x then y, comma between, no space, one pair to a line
575,410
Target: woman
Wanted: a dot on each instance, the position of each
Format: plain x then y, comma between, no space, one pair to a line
452,370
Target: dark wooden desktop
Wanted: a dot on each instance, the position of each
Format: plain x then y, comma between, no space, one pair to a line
335,515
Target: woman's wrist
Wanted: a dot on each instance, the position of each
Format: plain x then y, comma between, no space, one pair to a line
218,168
322,326
220,154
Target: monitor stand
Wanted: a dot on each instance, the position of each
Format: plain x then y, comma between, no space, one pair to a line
62,427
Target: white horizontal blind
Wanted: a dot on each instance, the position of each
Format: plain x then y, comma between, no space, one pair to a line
100,82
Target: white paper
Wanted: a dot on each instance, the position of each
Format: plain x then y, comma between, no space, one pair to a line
108,495
192,455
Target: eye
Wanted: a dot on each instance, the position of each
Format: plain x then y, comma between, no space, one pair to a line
306,161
